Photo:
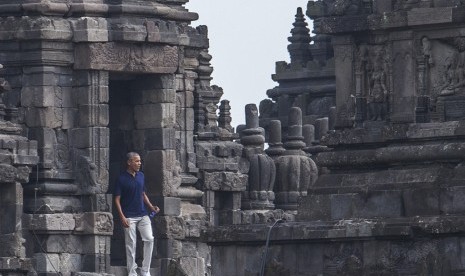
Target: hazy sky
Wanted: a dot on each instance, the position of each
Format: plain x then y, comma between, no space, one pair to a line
247,37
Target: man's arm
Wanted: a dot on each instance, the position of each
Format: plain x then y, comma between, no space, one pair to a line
123,219
151,207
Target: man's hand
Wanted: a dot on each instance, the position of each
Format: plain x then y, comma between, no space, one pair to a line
154,208
124,222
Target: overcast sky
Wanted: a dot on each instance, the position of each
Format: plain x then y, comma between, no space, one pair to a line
247,37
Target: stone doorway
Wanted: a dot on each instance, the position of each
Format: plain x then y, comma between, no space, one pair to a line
133,116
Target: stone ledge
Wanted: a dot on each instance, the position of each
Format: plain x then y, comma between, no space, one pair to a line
15,264
51,8
332,230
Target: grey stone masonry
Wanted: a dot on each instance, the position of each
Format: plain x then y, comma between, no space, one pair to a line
18,158
89,81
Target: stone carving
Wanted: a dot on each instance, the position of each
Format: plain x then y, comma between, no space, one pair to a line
7,173
262,173
338,7
275,145
121,57
94,223
87,174
211,116
371,80
426,49
62,151
262,170
296,172
377,96
299,49
104,223
454,73
225,181
267,109
224,120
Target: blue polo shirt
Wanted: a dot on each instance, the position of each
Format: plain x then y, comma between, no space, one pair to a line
131,189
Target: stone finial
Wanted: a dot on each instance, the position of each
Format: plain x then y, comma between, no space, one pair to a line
252,136
251,116
294,139
321,127
308,132
300,40
224,120
296,172
275,145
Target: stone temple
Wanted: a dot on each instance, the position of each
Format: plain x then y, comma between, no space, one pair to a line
363,173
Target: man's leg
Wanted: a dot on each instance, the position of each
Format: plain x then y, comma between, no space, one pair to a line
145,229
130,238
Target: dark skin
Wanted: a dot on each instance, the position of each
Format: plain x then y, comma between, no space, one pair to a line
133,166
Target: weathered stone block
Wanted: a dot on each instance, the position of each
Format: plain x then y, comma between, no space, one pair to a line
225,181
38,96
126,30
161,178
155,95
90,29
95,263
53,222
12,245
196,266
228,217
32,79
378,204
45,137
93,115
47,262
91,244
93,93
61,243
97,203
52,204
82,138
7,173
169,206
169,248
193,228
421,202
145,59
169,227
44,28
11,218
15,264
11,193
70,118
314,207
452,200
49,117
94,223
185,99
162,115
185,119
154,139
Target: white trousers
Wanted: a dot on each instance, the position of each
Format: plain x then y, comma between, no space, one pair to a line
144,225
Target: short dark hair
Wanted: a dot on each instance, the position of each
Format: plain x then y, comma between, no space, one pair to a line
131,155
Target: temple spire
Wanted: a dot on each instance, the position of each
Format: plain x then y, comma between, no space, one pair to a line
300,40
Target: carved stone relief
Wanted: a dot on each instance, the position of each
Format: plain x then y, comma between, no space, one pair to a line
441,76
127,57
372,80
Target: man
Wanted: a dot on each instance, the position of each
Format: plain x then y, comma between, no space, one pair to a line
131,202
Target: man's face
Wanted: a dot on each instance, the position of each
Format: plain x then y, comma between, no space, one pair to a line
134,163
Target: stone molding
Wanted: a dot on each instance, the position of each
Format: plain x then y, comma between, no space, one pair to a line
129,58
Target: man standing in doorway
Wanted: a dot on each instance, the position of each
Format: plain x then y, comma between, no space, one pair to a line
131,201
